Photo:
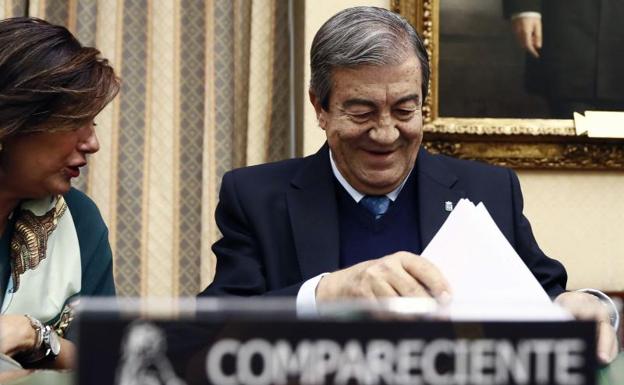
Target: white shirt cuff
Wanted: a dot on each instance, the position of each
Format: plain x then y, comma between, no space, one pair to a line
526,14
306,297
614,315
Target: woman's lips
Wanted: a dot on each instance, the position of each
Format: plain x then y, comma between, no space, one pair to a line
72,172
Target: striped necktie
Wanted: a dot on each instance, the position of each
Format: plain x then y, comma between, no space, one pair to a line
376,204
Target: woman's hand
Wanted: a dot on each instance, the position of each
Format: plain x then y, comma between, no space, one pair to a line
16,334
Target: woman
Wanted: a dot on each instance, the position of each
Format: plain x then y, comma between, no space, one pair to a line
53,242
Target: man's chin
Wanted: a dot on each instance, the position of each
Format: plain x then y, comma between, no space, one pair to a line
378,186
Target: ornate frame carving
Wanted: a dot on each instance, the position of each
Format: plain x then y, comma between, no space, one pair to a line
519,143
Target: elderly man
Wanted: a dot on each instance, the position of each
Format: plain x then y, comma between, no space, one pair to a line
351,220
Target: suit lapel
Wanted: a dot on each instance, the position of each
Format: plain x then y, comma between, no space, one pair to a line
314,216
436,186
313,208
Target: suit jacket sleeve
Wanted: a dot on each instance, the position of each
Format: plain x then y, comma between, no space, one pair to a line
549,272
240,269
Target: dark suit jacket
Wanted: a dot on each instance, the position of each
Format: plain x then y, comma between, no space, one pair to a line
280,220
583,48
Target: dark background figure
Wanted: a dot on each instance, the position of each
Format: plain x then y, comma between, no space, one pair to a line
481,68
576,52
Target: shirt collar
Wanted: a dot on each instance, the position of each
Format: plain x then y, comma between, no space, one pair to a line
356,195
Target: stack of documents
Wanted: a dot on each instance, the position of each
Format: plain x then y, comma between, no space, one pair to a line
487,277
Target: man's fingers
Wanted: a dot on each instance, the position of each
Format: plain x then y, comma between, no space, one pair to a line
389,278
530,47
381,288
526,41
401,274
534,36
528,31
607,343
588,307
406,285
427,275
537,35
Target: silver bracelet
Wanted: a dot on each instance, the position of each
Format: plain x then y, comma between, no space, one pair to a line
38,327
35,354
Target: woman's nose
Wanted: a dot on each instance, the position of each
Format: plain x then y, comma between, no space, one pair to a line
90,143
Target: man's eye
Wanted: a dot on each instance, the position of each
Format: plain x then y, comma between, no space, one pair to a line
404,114
361,117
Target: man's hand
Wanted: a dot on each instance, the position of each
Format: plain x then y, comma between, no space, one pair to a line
585,306
401,274
528,31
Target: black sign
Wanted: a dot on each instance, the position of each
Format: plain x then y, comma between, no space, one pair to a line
245,352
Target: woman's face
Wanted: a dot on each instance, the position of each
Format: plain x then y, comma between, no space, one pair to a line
39,164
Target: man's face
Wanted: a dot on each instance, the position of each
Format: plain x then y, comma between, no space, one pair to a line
374,123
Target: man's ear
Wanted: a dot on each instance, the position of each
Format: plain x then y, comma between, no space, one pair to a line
320,112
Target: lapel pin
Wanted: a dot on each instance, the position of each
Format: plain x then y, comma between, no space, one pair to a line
448,206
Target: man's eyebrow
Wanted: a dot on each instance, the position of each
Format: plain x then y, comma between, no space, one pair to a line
358,102
408,98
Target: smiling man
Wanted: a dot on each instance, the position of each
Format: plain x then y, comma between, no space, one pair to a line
351,220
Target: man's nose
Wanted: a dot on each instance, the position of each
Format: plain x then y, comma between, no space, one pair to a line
385,131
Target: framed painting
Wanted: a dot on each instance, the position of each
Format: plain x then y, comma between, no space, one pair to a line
480,105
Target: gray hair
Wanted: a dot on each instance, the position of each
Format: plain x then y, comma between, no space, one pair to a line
362,36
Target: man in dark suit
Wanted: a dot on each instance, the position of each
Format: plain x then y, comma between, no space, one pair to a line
576,52
351,220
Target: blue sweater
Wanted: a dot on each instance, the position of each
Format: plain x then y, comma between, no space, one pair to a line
363,238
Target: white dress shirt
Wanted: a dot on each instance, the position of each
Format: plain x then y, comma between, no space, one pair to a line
526,14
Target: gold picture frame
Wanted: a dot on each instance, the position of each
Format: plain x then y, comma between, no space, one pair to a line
517,143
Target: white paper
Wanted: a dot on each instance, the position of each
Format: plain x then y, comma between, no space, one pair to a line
487,277
605,124
600,124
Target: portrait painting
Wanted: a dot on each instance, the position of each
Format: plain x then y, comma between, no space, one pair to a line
498,97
